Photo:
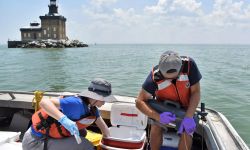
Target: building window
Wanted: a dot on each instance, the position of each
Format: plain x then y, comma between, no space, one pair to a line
24,34
48,28
54,29
54,35
39,35
48,35
28,34
44,32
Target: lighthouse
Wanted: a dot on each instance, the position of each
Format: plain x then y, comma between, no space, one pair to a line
53,8
53,26
50,33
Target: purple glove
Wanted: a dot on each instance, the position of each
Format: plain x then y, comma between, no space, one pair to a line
188,125
167,117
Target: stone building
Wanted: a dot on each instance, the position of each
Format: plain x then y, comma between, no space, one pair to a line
53,26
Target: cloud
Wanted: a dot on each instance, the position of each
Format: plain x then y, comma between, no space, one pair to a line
167,21
94,15
179,12
100,3
170,6
191,13
159,8
228,13
127,17
188,5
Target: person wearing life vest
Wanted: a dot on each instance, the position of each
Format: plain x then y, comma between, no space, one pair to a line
59,120
175,78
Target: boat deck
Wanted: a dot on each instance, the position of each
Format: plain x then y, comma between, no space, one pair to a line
217,131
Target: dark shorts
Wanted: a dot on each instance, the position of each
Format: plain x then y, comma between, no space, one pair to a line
32,142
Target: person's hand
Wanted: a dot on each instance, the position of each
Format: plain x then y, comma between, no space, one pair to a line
69,125
167,117
188,125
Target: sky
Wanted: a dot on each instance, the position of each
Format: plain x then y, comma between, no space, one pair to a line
137,21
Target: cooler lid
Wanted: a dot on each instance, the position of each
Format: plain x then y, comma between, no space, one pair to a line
126,114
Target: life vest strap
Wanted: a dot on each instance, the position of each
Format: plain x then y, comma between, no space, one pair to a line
59,129
45,147
45,123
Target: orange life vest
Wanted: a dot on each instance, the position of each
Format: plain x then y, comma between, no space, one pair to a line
179,92
41,122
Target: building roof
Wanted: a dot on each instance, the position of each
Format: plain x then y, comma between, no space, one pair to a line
31,28
60,17
54,14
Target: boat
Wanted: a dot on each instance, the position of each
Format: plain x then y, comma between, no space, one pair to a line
214,131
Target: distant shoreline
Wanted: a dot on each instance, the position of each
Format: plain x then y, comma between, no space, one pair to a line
93,44
46,44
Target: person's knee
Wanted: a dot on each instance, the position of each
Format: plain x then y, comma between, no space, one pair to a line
156,130
185,142
155,138
29,142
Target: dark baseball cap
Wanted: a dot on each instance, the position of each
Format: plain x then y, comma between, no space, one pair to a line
170,62
99,89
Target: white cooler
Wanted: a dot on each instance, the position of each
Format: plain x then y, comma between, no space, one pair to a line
128,128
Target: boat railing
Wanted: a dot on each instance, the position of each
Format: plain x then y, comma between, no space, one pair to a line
12,93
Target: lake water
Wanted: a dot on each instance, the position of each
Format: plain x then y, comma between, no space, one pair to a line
225,85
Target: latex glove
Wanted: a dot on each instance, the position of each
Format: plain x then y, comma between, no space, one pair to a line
167,117
188,125
69,125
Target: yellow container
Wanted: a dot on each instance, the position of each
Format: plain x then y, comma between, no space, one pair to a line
94,138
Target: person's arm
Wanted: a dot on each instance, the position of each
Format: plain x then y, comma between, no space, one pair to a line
51,106
102,126
194,79
194,99
143,107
